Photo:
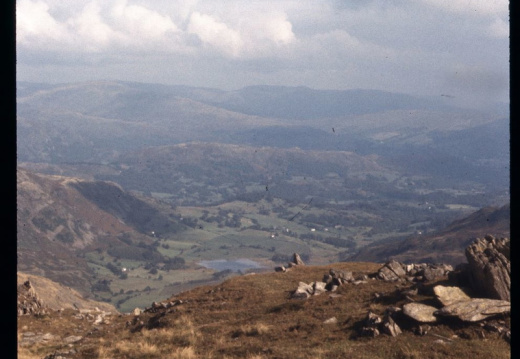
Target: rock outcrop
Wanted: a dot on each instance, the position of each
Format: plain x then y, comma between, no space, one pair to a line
450,295
475,309
420,312
487,273
296,261
394,271
489,267
303,291
331,282
28,302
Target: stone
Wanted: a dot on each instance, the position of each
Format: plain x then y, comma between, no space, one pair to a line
408,268
396,267
48,336
297,259
433,273
392,310
358,282
332,288
391,271
341,276
303,291
387,274
28,302
361,277
489,267
449,295
420,312
372,319
476,309
370,325
319,287
390,327
410,292
332,320
99,319
422,330
136,312
280,269
72,339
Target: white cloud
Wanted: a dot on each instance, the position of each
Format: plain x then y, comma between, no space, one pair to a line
403,46
35,26
273,27
141,22
95,27
90,29
215,33
252,34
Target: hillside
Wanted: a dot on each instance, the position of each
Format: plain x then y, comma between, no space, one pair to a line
127,249
96,122
443,246
261,203
62,218
55,296
254,316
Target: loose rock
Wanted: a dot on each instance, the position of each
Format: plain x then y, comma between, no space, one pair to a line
450,295
420,312
475,309
390,327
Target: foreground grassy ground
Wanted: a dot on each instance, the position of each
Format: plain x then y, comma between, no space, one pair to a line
252,316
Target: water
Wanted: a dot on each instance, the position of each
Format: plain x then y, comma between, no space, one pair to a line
236,265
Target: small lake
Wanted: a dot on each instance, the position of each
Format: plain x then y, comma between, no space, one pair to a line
236,265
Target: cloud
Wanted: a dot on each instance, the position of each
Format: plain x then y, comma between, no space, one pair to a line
36,27
253,34
140,22
93,27
395,45
90,30
215,33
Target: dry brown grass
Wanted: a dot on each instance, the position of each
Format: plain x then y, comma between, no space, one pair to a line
253,317
24,353
173,342
253,329
183,353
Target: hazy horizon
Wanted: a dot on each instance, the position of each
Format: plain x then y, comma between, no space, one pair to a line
455,49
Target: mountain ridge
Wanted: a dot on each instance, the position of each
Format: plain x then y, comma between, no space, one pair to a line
446,245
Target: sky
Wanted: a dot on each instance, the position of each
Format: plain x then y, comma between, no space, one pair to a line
458,49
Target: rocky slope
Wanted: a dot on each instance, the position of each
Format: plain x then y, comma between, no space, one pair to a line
416,312
43,294
60,218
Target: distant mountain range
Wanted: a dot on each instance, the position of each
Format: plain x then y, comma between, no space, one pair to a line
96,122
